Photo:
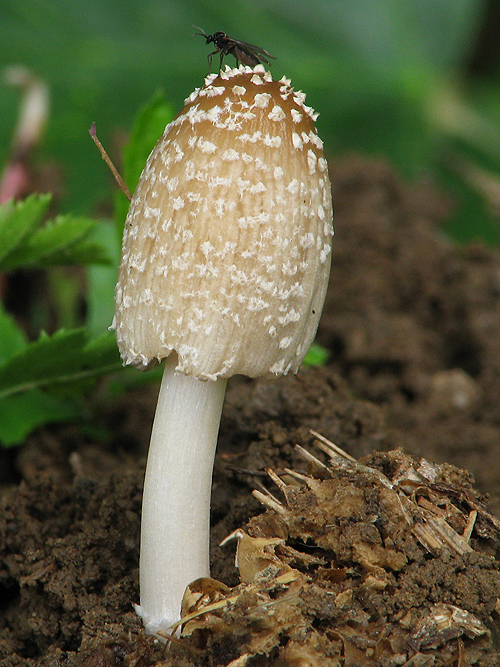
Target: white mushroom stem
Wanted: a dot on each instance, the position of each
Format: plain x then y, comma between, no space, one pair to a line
176,501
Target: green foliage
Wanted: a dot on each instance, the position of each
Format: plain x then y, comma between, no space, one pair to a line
101,282
26,243
12,339
316,356
149,124
20,415
42,381
32,376
66,357
17,221
32,373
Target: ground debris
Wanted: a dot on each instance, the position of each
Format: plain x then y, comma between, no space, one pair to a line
358,563
412,322
445,622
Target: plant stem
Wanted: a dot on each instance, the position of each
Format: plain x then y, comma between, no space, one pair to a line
177,488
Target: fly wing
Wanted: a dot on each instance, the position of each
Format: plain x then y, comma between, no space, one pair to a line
257,52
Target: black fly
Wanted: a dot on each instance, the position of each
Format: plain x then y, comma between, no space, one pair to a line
247,54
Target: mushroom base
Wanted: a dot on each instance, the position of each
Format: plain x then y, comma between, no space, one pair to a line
177,489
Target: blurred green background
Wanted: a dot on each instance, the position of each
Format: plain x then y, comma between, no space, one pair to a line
412,80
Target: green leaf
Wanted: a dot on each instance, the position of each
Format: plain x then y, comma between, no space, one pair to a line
36,378
21,414
87,252
24,243
149,125
63,240
101,283
64,358
12,339
17,220
316,356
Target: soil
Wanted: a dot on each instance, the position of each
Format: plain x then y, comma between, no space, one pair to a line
390,561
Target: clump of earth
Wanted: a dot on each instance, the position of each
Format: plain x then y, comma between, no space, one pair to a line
382,551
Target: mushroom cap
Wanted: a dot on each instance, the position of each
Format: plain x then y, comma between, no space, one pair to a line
226,248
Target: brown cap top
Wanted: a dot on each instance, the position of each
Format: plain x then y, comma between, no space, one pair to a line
226,249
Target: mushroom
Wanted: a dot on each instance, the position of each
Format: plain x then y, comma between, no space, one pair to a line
224,270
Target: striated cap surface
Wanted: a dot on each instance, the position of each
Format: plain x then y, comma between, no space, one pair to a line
226,248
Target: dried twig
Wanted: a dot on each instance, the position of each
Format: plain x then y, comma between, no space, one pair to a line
110,164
